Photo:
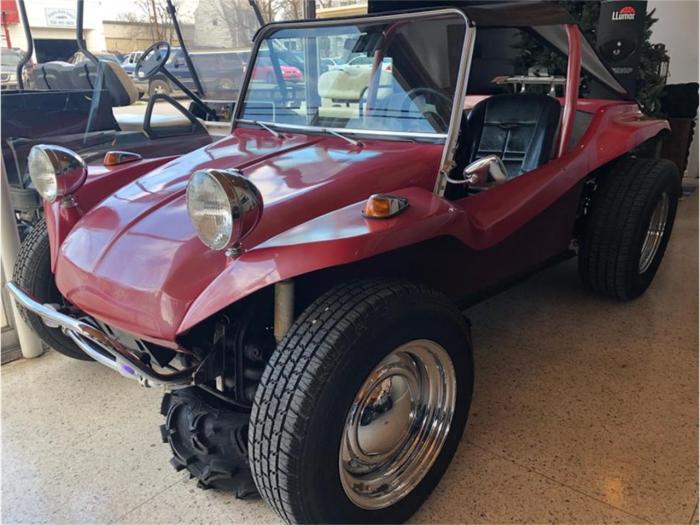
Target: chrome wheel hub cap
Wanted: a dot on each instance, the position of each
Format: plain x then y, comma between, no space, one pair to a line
397,424
655,233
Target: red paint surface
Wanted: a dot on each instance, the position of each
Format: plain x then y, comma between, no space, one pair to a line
135,261
101,182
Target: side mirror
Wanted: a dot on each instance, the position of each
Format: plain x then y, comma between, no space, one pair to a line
485,171
152,60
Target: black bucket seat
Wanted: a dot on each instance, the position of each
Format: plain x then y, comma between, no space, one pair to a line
521,129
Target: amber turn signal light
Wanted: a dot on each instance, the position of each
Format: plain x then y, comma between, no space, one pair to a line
114,158
383,206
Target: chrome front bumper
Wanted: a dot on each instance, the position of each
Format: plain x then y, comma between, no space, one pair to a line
95,343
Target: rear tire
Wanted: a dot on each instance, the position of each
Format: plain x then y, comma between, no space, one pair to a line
302,418
628,228
32,273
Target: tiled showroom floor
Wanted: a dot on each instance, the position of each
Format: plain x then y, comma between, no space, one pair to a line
585,410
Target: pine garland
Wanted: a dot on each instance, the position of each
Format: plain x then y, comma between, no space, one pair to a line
650,84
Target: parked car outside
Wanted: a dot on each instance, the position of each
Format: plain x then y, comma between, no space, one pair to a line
129,62
219,71
264,71
11,57
331,63
366,62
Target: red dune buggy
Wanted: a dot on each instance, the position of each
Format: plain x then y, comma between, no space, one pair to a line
298,284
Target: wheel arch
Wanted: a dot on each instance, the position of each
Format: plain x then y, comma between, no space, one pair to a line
647,145
338,245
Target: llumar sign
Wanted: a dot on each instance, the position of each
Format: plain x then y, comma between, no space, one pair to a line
626,13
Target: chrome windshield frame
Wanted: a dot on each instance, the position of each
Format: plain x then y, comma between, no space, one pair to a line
450,137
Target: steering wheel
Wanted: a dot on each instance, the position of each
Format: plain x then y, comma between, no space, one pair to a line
152,60
415,94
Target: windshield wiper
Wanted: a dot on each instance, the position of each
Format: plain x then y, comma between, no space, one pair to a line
264,126
354,142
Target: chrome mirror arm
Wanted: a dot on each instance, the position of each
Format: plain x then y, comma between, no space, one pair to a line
482,172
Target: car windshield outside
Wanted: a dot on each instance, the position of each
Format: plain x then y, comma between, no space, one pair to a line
395,76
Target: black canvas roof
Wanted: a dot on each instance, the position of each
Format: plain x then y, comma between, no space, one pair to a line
546,19
486,13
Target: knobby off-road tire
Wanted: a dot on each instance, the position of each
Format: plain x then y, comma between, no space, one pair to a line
32,273
302,406
208,437
628,202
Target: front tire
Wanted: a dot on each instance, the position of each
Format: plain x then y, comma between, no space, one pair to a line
373,375
630,222
32,273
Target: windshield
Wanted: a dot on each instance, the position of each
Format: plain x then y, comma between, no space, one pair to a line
397,76
219,40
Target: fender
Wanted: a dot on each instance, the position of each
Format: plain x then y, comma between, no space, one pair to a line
339,237
616,130
101,182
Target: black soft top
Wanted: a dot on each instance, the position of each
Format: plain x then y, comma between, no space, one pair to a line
545,19
492,13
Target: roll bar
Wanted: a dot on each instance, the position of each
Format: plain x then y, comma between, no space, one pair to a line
573,79
30,43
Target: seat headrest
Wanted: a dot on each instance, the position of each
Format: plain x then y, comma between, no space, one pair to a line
348,84
344,84
119,85
53,75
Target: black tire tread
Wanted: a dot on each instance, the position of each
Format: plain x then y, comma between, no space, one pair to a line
32,269
295,375
612,226
212,445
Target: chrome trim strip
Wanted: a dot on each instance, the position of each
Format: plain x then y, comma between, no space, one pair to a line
97,344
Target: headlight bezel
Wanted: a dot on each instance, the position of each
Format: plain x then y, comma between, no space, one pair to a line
244,207
67,172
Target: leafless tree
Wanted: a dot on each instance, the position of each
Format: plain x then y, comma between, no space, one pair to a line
153,12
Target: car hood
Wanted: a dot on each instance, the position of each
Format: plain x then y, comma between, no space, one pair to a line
135,261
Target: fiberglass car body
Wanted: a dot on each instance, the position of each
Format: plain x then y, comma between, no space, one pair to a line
303,272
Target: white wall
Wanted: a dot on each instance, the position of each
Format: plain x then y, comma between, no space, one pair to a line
37,12
677,27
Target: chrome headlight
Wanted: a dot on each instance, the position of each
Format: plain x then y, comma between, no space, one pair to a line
55,171
224,207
